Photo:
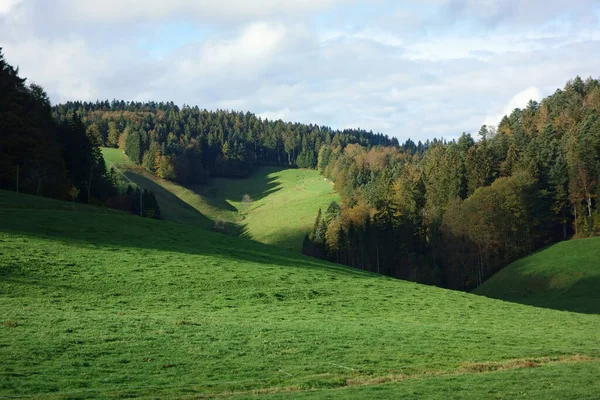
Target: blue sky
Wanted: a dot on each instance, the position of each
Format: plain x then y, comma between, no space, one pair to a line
411,69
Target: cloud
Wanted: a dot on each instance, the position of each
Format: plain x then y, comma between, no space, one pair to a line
256,45
66,68
138,10
6,6
520,100
253,48
493,14
337,63
281,114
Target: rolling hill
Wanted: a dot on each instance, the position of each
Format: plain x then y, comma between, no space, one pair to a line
565,276
97,303
283,206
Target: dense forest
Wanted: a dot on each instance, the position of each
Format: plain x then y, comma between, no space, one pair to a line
456,213
443,213
189,145
55,158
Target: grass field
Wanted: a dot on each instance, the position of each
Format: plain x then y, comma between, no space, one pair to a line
565,276
115,157
284,203
283,208
104,304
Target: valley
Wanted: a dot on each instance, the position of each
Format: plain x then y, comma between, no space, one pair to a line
105,303
280,207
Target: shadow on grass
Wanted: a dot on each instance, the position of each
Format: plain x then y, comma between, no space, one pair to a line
581,297
215,194
88,229
289,239
210,194
220,191
172,207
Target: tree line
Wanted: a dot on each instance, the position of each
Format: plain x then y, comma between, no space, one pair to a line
457,212
448,213
51,157
189,145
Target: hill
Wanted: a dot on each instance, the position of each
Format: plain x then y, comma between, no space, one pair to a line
112,305
565,276
281,208
193,144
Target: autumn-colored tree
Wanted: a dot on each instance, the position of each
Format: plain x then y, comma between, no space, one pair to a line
113,135
166,167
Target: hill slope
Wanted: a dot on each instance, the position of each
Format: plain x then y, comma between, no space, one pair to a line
283,207
112,305
565,276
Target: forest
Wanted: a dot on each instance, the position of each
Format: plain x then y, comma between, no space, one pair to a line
55,158
457,212
445,213
189,145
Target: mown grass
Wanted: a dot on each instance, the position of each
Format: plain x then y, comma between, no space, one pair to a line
115,157
113,305
565,276
284,203
282,211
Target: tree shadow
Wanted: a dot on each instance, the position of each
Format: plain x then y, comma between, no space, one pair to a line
216,194
121,231
582,297
289,239
172,207
220,191
210,194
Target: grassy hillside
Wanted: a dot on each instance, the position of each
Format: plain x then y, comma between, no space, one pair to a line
112,305
115,157
283,207
565,276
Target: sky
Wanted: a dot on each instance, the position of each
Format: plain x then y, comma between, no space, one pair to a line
409,69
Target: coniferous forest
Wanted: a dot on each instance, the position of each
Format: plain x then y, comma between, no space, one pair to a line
55,158
447,213
299,199
190,145
459,211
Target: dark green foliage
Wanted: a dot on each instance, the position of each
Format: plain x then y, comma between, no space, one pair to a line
42,156
133,147
454,213
30,157
139,202
85,165
55,158
496,225
198,143
45,157
150,157
307,159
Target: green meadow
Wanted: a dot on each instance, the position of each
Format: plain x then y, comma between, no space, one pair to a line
565,276
281,210
99,304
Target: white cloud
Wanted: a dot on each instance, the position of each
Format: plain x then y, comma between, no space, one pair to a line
374,35
7,6
224,66
66,67
349,67
282,114
255,46
139,10
520,100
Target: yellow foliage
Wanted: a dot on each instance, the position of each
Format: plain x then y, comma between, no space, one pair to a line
332,235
